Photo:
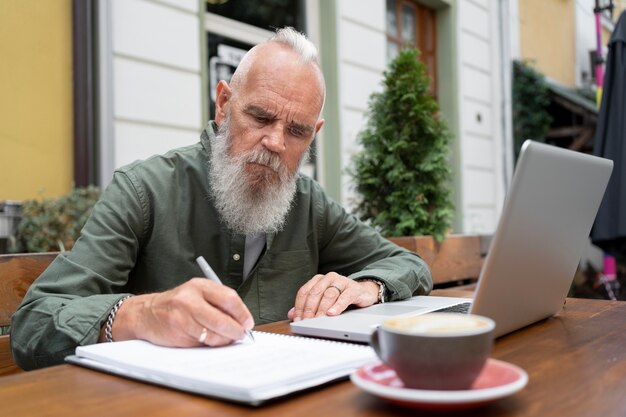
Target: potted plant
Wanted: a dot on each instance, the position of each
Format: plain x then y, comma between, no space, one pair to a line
402,171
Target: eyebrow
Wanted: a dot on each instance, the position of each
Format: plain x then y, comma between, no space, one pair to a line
258,111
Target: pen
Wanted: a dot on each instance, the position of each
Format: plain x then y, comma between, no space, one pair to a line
210,274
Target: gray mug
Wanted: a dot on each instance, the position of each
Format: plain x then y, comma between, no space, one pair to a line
437,351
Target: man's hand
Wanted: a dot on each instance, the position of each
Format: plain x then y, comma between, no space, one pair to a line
179,317
330,295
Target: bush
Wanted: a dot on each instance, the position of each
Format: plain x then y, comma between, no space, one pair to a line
531,119
54,224
402,171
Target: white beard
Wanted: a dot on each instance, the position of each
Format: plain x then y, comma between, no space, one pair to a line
250,203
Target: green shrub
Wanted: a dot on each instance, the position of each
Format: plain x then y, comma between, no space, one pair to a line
402,172
54,224
531,119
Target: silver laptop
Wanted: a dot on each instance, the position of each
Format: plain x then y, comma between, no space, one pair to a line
543,229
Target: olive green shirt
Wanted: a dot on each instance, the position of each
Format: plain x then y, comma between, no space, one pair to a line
149,226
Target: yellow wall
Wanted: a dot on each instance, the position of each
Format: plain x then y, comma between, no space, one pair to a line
547,36
35,98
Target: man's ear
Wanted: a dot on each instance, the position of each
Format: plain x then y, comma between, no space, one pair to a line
222,98
319,125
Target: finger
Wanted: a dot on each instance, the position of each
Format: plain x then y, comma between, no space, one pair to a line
227,300
200,303
291,313
224,313
341,303
218,323
210,338
302,295
329,297
317,294
355,294
190,314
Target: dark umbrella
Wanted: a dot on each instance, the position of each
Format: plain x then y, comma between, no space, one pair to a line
609,231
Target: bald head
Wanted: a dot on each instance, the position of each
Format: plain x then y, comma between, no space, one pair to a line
287,50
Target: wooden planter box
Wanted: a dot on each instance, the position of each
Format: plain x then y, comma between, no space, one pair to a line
457,260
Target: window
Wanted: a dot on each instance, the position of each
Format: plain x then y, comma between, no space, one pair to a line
410,23
267,14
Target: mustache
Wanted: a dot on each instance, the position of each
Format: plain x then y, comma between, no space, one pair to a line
269,159
266,158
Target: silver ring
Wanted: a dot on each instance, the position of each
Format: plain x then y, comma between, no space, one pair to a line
335,287
203,335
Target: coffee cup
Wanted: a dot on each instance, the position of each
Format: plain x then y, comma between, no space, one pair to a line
436,351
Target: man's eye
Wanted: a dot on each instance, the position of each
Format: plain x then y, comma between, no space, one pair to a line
296,131
261,119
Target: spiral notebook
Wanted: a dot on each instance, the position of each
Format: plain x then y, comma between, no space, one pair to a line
273,366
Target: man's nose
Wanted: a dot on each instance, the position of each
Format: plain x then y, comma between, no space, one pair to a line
274,138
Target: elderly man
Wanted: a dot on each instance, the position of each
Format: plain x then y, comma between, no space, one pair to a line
282,248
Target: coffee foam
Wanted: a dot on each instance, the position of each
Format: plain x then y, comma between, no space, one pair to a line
438,324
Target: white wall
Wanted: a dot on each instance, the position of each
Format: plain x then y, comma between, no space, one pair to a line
362,60
585,38
154,84
481,116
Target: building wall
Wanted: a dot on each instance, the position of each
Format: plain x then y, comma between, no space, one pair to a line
547,34
469,93
361,49
585,41
480,141
35,99
149,115
154,87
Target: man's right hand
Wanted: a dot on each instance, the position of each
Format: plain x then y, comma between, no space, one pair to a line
178,317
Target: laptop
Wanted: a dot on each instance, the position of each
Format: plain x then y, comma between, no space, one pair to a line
543,229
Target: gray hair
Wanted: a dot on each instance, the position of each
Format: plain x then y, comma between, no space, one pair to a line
298,42
295,41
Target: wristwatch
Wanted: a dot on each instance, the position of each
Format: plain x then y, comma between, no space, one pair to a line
382,290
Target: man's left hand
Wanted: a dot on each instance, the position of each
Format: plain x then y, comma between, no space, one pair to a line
330,295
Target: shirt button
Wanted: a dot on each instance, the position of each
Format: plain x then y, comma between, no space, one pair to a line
236,257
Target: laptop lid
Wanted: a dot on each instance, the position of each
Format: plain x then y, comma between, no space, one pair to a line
545,222
543,229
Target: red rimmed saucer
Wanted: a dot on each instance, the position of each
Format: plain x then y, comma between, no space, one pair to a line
498,379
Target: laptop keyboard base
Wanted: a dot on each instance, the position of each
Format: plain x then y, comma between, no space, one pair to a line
457,308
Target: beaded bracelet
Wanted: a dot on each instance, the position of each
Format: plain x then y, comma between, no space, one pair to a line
108,337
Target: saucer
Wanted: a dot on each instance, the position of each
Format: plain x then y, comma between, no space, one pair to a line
498,379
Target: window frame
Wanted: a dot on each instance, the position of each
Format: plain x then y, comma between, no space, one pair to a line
425,36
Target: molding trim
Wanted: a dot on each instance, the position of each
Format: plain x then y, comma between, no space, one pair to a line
106,132
235,30
329,163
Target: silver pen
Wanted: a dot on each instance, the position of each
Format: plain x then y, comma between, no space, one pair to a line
210,274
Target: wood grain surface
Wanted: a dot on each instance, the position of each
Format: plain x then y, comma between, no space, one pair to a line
576,362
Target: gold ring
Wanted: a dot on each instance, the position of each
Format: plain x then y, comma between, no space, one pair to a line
203,335
335,287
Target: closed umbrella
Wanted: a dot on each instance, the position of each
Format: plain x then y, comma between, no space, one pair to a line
609,231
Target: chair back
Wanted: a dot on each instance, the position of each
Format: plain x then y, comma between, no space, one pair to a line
17,273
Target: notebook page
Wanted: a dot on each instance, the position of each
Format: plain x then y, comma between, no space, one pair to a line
271,362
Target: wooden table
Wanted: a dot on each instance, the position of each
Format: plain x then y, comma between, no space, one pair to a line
576,362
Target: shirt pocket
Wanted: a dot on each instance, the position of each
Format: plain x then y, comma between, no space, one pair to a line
280,277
